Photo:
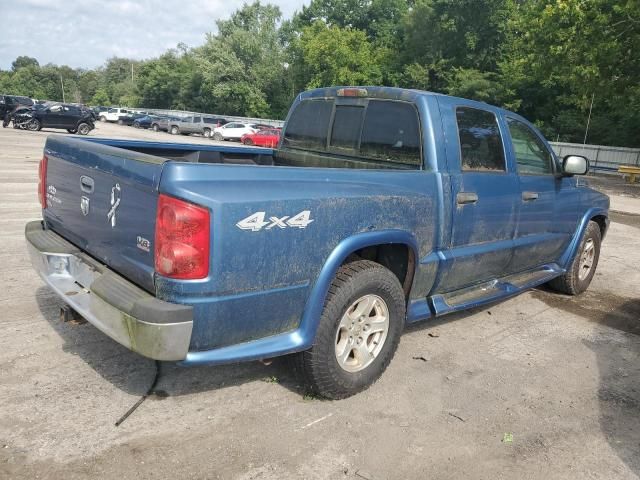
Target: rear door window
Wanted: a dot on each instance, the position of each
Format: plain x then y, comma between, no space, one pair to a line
480,140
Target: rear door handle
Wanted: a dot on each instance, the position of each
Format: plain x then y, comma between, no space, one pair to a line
529,196
464,198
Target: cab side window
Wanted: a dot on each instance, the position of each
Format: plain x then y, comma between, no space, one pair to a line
532,155
480,140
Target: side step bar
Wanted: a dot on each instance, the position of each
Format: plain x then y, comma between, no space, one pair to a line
493,290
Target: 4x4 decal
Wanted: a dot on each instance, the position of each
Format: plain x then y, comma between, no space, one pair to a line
256,221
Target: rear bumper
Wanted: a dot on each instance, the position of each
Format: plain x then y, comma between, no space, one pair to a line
131,316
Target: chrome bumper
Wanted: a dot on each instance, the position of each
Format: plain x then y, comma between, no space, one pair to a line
128,314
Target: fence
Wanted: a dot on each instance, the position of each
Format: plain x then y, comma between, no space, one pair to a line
606,159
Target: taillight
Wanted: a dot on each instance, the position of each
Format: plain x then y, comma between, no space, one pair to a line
42,181
182,239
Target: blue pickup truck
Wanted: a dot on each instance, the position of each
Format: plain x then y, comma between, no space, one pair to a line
380,207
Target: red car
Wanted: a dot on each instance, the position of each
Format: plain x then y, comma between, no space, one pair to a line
264,138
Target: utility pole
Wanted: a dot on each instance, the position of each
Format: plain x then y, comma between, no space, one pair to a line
62,85
586,131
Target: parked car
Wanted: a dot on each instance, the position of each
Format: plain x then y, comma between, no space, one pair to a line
73,118
113,114
263,138
195,124
145,121
162,123
130,118
9,103
395,206
233,131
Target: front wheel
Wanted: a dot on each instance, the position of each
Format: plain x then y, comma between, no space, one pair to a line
207,133
34,125
359,331
247,141
103,118
71,130
155,127
175,130
583,267
84,129
218,136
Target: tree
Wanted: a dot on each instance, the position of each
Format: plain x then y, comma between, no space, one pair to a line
562,54
338,56
24,61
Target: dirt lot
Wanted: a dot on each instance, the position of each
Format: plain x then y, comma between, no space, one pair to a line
540,386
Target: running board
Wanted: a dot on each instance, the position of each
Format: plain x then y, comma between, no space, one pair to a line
494,290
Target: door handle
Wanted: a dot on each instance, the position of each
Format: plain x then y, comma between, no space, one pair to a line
529,196
464,198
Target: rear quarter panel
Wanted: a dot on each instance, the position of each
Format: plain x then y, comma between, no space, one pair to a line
259,281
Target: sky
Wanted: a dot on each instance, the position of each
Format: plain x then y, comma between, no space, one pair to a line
85,33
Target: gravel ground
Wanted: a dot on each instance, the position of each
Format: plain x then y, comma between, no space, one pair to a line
539,386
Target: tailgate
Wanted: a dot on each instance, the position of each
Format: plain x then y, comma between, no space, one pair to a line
104,199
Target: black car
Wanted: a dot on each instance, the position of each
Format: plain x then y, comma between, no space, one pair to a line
73,118
130,118
8,103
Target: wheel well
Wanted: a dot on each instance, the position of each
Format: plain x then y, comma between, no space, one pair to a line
397,257
601,220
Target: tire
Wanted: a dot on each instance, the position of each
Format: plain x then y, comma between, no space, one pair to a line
155,127
120,122
366,347
103,118
84,128
218,136
247,141
71,130
34,125
207,133
136,125
583,267
174,130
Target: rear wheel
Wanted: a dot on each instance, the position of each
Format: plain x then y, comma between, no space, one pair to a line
583,267
207,133
358,334
155,127
34,125
84,129
103,118
136,125
120,122
71,130
175,130
247,141
218,136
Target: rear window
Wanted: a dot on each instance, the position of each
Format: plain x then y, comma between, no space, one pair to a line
347,122
391,132
308,125
378,130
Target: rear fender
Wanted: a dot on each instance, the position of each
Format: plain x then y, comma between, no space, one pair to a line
315,303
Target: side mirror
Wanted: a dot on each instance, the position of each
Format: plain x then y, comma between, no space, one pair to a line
575,165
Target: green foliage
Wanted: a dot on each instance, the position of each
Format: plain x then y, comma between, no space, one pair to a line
544,59
338,56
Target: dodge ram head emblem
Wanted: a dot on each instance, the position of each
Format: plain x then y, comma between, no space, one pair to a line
115,203
84,206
